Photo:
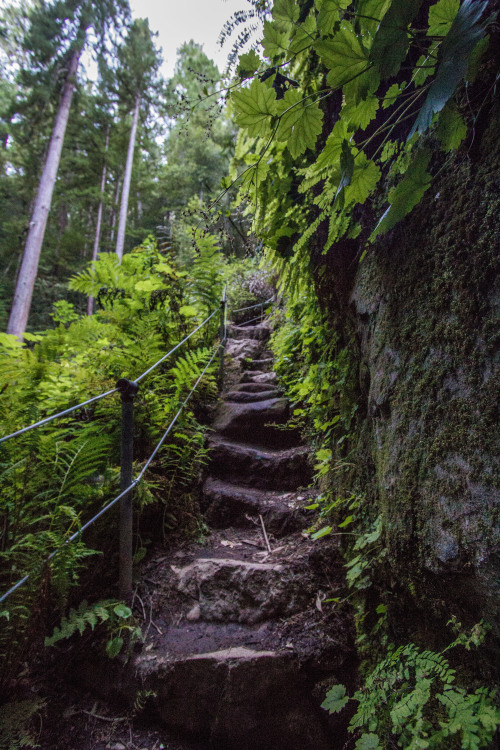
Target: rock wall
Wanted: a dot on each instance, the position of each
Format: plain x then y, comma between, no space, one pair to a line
426,305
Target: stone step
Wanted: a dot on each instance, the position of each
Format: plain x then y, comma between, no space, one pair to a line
236,698
229,590
260,331
243,348
263,365
259,422
257,376
233,505
240,463
243,397
252,387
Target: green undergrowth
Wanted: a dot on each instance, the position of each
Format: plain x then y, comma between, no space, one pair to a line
411,700
55,478
319,376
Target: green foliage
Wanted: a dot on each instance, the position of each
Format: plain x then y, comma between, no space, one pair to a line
57,477
254,106
296,104
116,615
248,282
16,723
410,701
464,33
317,375
407,193
300,123
335,700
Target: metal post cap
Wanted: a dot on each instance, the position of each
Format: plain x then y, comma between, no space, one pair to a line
128,389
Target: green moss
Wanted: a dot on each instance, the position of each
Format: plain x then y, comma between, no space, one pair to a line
425,442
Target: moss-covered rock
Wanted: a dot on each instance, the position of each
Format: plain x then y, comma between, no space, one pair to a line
427,303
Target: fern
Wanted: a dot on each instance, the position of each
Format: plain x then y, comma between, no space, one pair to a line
78,620
187,369
410,697
16,719
205,283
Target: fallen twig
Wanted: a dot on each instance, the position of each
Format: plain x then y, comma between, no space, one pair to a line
266,538
160,631
252,544
105,718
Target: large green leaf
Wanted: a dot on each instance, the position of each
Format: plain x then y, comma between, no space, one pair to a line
451,129
328,14
114,646
364,179
301,122
368,742
335,700
346,170
441,17
360,115
466,30
407,193
274,42
254,106
370,14
344,55
305,35
391,41
286,13
248,64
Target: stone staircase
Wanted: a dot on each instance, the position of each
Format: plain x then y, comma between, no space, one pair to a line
240,650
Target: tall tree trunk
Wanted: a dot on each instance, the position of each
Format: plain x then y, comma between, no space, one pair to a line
122,224
24,288
97,237
114,210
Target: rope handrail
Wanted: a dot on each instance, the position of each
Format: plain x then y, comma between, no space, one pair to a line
107,393
124,492
252,307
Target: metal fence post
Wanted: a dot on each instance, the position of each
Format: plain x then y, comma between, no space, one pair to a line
128,390
222,337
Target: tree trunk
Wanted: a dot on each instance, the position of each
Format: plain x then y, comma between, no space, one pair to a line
27,275
114,210
120,238
97,237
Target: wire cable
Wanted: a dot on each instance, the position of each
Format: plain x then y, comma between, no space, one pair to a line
125,491
59,414
251,307
137,380
108,393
